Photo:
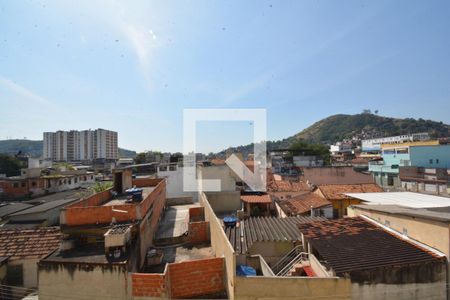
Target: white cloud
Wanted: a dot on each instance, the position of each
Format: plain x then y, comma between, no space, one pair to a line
23,92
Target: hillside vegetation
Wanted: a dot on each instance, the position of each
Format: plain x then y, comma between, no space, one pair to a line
366,125
34,148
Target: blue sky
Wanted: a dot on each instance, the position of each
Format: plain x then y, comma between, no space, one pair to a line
133,66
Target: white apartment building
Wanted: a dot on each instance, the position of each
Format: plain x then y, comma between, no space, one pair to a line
375,144
80,145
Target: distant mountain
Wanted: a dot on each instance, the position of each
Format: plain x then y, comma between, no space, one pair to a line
362,126
34,148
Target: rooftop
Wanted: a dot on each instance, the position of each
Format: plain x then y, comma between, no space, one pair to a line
302,204
263,229
123,199
354,244
337,191
334,175
256,198
407,199
77,193
85,255
10,208
29,243
45,207
441,214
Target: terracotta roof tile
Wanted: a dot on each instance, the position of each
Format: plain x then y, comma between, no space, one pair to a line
346,244
302,204
336,191
29,243
256,198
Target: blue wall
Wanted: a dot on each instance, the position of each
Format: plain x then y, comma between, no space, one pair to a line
420,156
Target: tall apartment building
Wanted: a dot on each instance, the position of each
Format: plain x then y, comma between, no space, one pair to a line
80,145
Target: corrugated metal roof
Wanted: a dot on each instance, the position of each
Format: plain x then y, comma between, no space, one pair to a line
46,206
407,199
265,229
11,208
354,244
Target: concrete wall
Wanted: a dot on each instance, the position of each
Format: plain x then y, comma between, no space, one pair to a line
174,179
258,287
30,271
84,281
432,233
220,244
399,291
219,172
224,201
271,251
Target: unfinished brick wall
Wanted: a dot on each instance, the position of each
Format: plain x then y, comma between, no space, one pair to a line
198,232
143,182
196,278
94,200
196,214
149,285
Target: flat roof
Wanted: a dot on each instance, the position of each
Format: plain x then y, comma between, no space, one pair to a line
122,199
407,199
354,244
85,255
76,193
441,214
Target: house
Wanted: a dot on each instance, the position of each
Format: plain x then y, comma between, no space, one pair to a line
378,262
174,174
336,194
280,188
256,204
23,250
38,182
308,204
426,154
334,175
426,180
110,232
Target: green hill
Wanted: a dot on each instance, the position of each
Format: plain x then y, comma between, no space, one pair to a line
361,126
34,148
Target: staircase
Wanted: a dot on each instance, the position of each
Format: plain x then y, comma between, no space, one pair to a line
294,263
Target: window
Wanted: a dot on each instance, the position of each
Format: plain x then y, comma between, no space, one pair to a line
14,274
437,160
15,185
402,151
70,181
431,161
23,184
33,184
389,151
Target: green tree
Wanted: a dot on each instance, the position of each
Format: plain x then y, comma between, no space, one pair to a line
10,165
101,186
301,147
140,158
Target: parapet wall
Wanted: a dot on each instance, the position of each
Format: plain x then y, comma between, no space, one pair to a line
183,280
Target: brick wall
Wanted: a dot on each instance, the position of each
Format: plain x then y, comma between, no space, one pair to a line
149,285
198,232
197,277
196,214
94,200
143,182
186,279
